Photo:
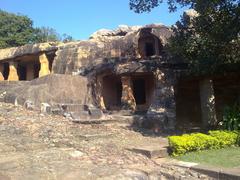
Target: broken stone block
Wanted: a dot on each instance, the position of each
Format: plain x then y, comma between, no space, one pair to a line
95,113
57,110
152,151
45,108
29,105
10,98
80,115
67,115
2,95
74,107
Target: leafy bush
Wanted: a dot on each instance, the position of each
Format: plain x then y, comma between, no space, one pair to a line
231,118
238,139
225,138
198,141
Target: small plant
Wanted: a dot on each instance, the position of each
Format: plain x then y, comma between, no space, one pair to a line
231,118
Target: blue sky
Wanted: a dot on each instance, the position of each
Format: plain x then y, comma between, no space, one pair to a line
80,18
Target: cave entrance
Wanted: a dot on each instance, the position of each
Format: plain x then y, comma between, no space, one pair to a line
112,92
149,49
139,91
143,85
5,70
149,44
22,72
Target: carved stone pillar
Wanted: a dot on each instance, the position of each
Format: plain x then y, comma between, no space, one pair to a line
44,65
207,103
127,100
163,108
13,75
1,72
99,92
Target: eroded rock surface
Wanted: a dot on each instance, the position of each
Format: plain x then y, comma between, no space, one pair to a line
11,53
52,89
36,146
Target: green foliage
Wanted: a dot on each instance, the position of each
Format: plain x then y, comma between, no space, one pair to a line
197,141
46,34
210,42
231,118
225,138
18,30
238,138
15,30
67,38
140,6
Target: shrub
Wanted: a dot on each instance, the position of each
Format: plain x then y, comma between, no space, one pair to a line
197,141
238,139
231,118
225,138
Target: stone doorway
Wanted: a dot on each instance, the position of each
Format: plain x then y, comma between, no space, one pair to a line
149,49
143,86
112,92
129,92
22,72
139,91
5,70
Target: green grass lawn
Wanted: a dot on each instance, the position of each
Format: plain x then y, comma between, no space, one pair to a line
227,157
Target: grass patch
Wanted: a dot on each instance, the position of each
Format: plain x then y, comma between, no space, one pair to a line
227,157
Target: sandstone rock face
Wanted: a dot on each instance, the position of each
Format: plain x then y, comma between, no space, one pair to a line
44,69
11,53
52,89
105,46
79,71
13,72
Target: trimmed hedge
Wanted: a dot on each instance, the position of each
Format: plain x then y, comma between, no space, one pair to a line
198,141
225,138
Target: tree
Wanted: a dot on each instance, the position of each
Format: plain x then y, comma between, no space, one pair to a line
209,41
46,34
67,38
18,30
15,30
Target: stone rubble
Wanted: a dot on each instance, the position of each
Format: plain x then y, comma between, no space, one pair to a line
41,146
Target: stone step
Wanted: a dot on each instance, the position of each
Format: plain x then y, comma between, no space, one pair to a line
74,107
99,121
80,115
151,152
107,119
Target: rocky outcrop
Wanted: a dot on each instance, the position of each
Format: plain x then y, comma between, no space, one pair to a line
78,70
52,89
11,53
105,46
